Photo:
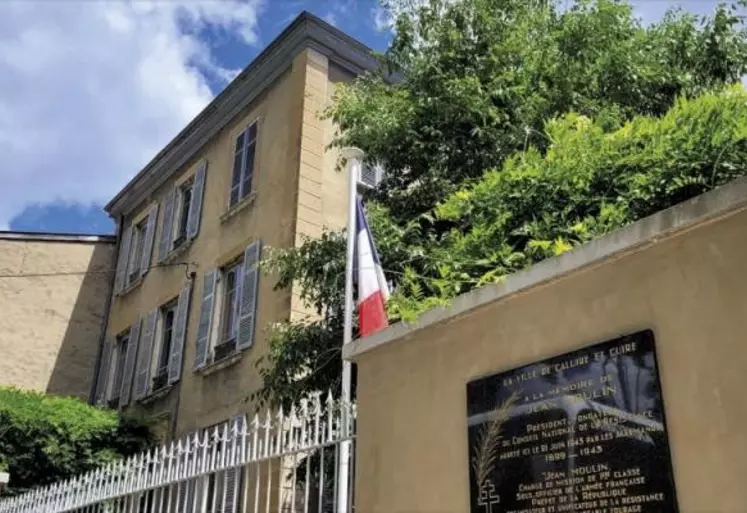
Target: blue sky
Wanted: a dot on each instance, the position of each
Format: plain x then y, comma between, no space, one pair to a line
91,90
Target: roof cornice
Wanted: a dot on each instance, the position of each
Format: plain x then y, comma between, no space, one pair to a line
306,31
56,237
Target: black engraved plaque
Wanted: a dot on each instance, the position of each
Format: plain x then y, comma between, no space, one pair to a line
582,432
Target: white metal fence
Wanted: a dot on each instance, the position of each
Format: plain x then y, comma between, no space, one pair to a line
282,462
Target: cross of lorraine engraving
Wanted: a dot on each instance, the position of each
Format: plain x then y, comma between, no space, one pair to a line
488,497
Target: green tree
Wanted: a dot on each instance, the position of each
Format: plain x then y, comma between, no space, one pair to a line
470,87
46,438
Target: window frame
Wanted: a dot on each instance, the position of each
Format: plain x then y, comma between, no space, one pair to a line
117,366
137,246
181,219
158,355
246,143
219,338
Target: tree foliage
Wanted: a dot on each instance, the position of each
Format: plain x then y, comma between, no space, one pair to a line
479,78
481,112
591,182
46,438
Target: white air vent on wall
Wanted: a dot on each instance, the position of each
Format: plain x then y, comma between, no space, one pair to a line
370,176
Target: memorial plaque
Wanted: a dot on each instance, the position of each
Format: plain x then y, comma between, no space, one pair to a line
583,432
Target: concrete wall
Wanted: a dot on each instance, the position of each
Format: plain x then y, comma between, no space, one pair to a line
290,175
51,323
680,273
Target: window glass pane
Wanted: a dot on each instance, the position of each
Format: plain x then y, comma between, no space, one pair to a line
236,179
236,299
228,304
234,196
138,240
246,183
167,336
237,168
240,141
185,202
252,132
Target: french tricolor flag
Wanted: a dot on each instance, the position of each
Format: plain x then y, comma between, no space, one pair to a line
373,291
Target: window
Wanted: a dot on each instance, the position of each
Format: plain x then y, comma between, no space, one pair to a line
168,318
118,367
243,164
224,489
136,251
184,202
228,308
214,491
229,317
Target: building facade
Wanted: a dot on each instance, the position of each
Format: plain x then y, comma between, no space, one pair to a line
190,311
54,289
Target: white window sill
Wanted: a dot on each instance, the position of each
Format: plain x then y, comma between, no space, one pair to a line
177,252
238,207
221,364
131,286
155,395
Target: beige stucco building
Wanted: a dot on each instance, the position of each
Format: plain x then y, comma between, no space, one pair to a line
189,314
54,289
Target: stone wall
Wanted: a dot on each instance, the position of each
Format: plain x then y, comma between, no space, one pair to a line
53,296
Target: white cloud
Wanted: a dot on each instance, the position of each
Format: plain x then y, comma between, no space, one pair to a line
331,18
382,18
90,91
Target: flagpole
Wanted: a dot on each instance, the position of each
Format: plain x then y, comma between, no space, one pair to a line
354,157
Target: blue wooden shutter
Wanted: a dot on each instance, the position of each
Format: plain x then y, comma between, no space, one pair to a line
180,332
202,346
232,476
249,291
129,367
103,374
164,243
150,234
142,378
195,208
124,254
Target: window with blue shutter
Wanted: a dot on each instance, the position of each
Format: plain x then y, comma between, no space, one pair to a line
120,279
145,352
128,370
179,333
148,238
202,345
164,242
249,295
117,368
245,149
232,476
103,374
194,211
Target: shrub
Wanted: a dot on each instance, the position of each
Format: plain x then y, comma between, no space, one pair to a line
46,438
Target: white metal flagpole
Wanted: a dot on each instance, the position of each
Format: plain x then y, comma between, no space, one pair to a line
354,156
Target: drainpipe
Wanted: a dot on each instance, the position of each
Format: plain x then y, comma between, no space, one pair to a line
107,310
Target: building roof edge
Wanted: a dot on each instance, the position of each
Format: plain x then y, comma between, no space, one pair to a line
305,31
55,237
